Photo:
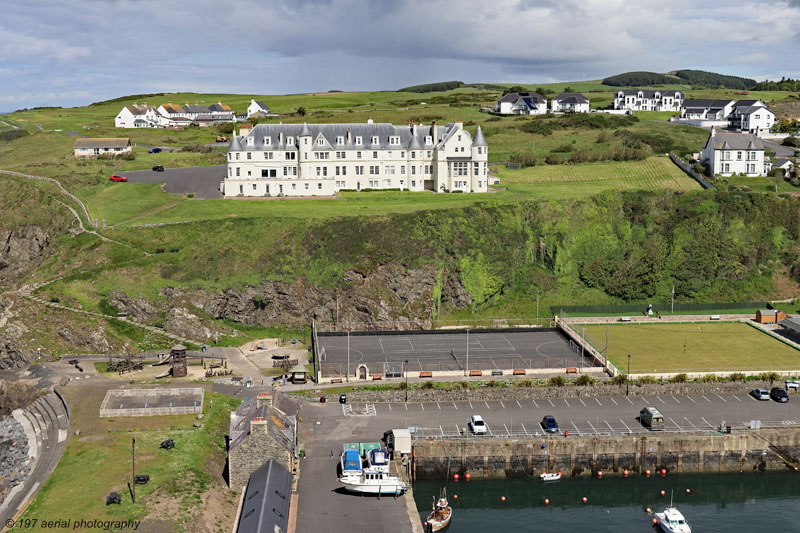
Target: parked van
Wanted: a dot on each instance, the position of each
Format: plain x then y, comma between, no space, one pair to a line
651,418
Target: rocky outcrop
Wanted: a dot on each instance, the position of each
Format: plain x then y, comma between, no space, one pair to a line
91,340
11,356
140,309
22,250
186,324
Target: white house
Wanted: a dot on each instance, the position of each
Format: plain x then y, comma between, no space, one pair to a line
138,116
752,116
522,104
707,109
322,159
569,103
171,115
734,153
257,106
648,100
97,146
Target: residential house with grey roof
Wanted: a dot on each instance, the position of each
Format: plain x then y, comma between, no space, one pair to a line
732,153
257,106
97,146
751,116
323,159
522,104
707,109
569,103
649,100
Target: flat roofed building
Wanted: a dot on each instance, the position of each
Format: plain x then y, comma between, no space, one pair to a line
323,159
95,147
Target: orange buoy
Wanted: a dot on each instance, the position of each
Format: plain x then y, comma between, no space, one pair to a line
688,491
584,500
662,493
655,521
547,501
625,472
663,472
559,472
502,498
466,476
599,474
648,511
455,496
455,477
647,472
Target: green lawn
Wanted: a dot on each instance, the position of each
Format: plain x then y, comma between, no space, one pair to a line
99,461
570,181
761,184
696,347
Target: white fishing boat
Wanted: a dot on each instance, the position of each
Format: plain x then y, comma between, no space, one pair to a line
551,476
671,520
371,482
440,517
350,464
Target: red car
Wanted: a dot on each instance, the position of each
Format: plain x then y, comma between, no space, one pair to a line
117,177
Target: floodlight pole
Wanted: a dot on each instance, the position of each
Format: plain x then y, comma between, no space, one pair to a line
628,377
405,371
467,367
348,355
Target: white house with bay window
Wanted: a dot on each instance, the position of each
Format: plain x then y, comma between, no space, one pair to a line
322,159
734,153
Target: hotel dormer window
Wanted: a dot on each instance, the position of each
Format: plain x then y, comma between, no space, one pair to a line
340,140
289,140
428,139
358,140
320,142
374,140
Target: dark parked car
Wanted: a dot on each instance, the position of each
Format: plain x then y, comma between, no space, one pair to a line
154,151
779,395
342,398
549,424
158,168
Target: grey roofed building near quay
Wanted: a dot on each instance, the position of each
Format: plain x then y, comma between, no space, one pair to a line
266,501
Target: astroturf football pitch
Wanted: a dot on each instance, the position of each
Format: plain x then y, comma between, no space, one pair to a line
693,347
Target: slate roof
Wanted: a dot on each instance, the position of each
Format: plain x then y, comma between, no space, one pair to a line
510,97
781,162
224,108
714,104
479,139
745,103
112,142
749,110
195,109
138,109
332,132
735,141
172,108
649,93
266,500
571,98
262,104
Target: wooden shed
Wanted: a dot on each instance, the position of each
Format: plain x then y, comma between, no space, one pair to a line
769,316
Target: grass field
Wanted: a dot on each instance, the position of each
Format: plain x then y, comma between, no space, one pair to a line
570,181
99,462
696,347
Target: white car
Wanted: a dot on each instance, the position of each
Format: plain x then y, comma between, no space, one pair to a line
476,425
792,385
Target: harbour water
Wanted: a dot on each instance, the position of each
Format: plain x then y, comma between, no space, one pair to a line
719,502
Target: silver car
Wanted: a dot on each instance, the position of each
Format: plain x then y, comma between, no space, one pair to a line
760,394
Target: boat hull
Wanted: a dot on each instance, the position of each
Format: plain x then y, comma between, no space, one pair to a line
364,488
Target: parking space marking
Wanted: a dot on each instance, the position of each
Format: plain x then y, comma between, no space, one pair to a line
609,426
690,398
406,406
439,406
470,405
706,399
507,431
676,424
523,428
660,400
576,428
423,407
566,402
737,398
390,407
752,398
581,402
626,425
591,426
613,400
441,429
551,403
536,405
487,404
598,402
629,400
458,430
677,400
721,398
454,405
502,404
519,404
645,400
690,422
707,422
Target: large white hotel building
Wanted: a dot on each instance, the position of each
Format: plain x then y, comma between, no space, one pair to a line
322,159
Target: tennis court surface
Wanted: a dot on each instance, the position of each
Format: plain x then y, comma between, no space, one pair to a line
387,353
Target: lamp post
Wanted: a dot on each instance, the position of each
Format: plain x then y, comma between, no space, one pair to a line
467,351
628,377
348,355
405,371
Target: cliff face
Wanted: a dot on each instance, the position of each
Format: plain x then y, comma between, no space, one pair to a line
22,250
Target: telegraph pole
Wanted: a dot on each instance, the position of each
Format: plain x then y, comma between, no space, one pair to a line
133,469
348,355
537,307
467,351
628,377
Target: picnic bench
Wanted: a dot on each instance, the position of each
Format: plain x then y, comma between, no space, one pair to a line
572,370
426,374
114,497
475,373
141,479
167,444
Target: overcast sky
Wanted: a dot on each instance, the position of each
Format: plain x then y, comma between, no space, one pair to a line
73,52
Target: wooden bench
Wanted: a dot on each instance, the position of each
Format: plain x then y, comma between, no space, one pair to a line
476,372
426,374
376,377
519,372
572,370
336,380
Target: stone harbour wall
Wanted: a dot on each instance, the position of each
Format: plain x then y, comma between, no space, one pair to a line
497,458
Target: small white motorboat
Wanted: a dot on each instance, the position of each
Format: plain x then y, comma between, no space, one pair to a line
551,476
441,514
373,482
671,520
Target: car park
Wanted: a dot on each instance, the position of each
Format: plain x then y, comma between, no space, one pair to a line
154,151
779,395
158,168
477,425
117,177
549,424
760,394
